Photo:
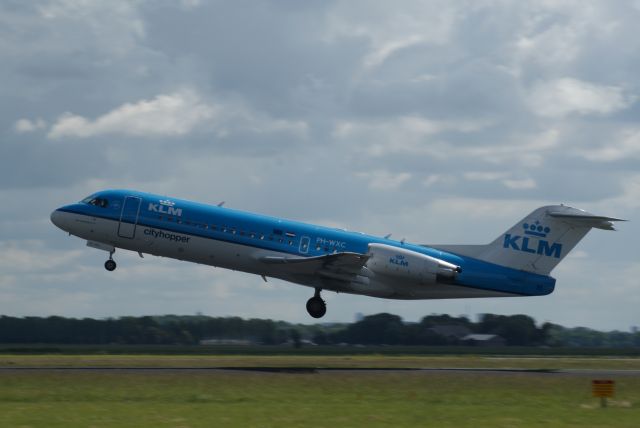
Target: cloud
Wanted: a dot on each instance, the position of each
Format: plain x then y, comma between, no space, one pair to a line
502,177
441,140
626,204
173,114
527,183
625,145
467,115
379,55
560,97
240,119
404,134
420,22
484,175
115,28
33,255
384,180
26,125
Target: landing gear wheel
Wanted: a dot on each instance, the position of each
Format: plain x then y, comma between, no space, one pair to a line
316,306
110,265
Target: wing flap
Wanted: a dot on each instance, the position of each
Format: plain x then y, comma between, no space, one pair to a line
342,266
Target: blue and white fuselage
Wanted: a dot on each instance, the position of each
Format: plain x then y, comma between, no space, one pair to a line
518,263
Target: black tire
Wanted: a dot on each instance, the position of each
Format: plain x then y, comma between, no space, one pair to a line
110,265
316,307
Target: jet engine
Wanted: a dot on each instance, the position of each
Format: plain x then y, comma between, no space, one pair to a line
409,265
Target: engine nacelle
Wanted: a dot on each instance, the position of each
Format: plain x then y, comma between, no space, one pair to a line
410,265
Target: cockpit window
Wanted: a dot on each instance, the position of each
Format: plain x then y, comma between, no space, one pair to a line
98,202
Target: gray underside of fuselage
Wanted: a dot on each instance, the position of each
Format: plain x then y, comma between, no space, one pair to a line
247,258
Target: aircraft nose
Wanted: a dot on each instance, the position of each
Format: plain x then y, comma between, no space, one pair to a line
57,218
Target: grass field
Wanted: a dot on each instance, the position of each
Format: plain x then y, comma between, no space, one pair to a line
171,398
323,361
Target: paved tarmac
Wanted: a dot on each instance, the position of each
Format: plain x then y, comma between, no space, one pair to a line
307,370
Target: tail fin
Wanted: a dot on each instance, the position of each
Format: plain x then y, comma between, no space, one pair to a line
539,241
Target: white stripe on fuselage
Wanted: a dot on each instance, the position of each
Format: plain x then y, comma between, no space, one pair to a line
246,258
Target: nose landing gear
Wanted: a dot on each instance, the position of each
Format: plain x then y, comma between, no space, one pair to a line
316,306
110,264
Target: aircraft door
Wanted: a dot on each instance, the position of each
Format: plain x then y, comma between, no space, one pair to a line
304,244
129,217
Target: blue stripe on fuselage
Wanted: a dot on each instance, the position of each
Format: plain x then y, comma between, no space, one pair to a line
322,240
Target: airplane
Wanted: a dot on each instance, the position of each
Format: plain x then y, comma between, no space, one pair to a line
516,263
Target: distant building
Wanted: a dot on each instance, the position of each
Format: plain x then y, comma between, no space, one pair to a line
484,340
241,342
455,332
302,342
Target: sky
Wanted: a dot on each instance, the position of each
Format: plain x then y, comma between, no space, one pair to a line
441,122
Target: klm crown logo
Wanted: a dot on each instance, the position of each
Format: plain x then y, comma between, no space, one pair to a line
536,229
399,260
165,207
533,241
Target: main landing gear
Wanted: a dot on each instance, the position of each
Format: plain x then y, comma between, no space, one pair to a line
110,264
316,306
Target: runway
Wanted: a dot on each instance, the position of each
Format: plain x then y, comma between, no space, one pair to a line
312,370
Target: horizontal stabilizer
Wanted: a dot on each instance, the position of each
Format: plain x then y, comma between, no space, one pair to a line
583,218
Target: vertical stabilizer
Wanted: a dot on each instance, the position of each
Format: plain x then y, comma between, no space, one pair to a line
539,241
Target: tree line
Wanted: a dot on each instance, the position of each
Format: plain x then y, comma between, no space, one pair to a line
378,329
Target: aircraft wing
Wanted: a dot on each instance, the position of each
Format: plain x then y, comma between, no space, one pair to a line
341,266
